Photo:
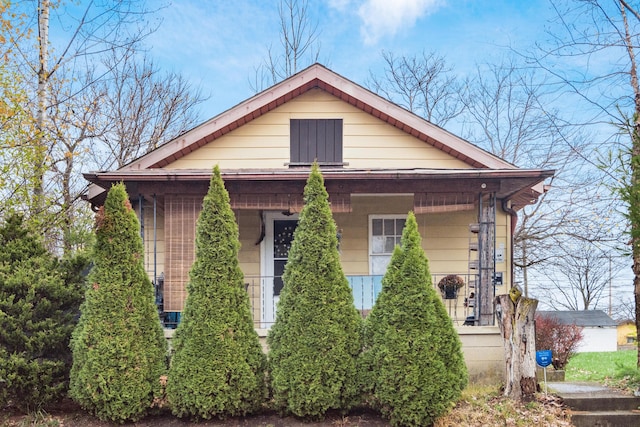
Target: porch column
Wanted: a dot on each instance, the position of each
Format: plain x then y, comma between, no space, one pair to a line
486,256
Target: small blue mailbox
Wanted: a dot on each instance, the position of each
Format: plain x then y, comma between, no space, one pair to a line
543,358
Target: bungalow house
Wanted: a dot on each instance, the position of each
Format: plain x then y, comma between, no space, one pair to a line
379,162
599,331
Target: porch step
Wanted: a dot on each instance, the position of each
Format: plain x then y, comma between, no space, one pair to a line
593,405
604,403
605,418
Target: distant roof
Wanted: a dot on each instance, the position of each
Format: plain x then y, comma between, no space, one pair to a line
588,318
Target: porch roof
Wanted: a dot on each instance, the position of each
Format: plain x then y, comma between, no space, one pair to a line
520,186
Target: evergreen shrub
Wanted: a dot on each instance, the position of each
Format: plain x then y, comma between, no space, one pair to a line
39,302
316,338
218,367
413,369
119,349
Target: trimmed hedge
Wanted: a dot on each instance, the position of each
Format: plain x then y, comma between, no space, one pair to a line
316,337
119,349
39,302
218,368
413,366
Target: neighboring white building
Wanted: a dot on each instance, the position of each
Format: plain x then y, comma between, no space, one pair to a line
599,330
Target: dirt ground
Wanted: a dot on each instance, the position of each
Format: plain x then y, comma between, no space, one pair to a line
482,409
69,415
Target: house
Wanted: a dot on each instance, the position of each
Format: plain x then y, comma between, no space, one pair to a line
599,331
627,333
379,162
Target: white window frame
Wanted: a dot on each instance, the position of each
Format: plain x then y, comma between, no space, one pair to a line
373,217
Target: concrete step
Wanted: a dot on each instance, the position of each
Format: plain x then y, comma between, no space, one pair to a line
594,405
602,403
605,418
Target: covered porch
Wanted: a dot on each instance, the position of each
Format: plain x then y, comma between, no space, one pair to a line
459,209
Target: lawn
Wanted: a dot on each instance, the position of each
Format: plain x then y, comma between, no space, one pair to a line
614,367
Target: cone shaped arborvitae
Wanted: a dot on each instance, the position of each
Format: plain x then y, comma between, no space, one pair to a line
119,349
316,338
416,370
218,368
39,303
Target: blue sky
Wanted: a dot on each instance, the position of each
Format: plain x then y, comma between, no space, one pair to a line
217,45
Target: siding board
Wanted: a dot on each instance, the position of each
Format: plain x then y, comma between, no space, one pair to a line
367,142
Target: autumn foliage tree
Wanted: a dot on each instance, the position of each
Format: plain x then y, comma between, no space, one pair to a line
316,337
412,364
119,349
218,368
563,340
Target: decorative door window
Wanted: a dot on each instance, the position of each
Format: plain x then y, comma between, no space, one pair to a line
282,237
385,232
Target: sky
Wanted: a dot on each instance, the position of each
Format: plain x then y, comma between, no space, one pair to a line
217,45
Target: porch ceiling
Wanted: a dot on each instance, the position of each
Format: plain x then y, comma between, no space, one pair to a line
431,186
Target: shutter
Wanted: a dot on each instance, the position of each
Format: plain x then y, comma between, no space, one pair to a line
315,139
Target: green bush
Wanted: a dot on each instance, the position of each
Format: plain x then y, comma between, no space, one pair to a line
413,367
119,349
316,337
39,300
218,368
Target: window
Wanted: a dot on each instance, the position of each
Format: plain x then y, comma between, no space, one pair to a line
385,232
316,140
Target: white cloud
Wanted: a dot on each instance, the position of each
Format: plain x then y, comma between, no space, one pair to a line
384,18
340,5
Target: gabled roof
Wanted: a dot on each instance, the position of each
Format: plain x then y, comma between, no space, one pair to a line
318,76
584,318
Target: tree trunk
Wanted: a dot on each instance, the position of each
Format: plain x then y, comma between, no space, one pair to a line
41,114
516,322
634,184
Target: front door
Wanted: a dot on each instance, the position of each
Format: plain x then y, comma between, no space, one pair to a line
279,229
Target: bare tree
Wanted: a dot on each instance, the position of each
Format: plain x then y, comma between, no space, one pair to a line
423,84
86,88
590,33
75,122
579,276
298,42
141,108
96,27
130,110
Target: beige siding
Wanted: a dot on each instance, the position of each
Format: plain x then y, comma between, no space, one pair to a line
483,353
481,346
368,142
249,256
445,237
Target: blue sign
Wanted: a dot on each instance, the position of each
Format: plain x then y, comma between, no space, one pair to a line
543,358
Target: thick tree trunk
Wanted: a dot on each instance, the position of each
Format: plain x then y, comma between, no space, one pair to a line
516,322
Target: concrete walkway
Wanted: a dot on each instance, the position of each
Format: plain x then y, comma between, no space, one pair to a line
581,389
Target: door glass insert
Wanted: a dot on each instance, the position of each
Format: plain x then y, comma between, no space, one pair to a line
282,237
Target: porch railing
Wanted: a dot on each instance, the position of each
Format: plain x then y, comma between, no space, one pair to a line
365,288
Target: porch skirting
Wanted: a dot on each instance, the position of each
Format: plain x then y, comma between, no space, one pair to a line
481,345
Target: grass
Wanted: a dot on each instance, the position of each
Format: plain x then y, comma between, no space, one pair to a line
615,368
